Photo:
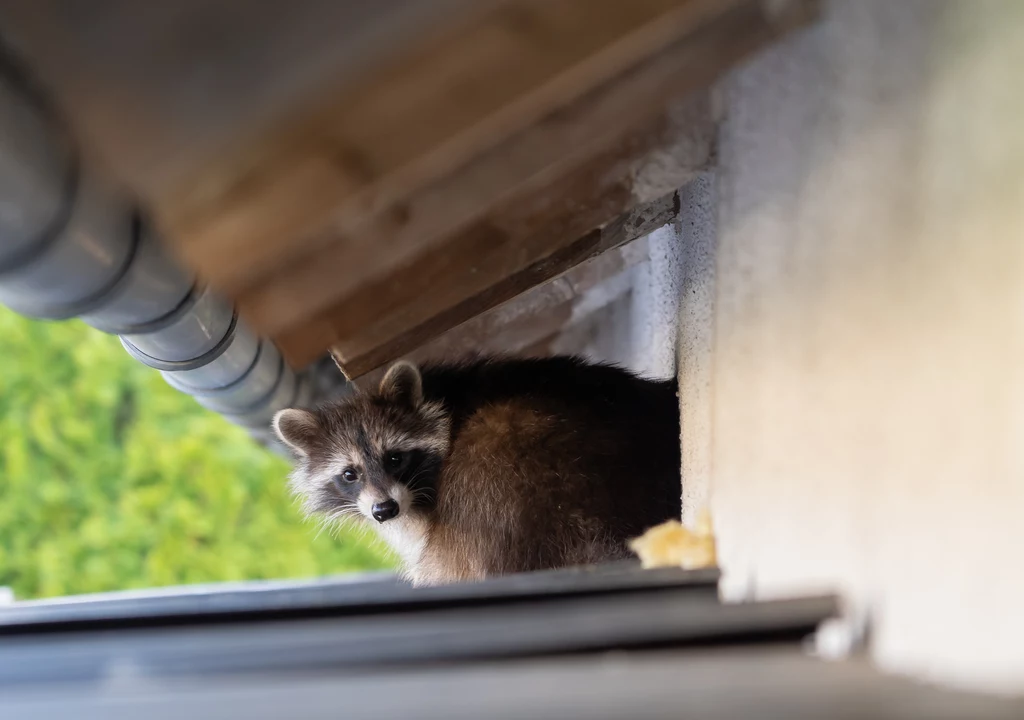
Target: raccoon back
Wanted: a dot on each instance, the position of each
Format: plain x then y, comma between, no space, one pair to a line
553,462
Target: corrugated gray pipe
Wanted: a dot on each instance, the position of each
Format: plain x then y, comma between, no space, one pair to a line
72,244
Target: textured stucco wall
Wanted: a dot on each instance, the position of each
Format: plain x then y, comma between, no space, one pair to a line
866,386
654,306
695,334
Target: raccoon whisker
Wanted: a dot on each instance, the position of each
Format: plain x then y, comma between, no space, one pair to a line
322,524
414,482
336,517
360,528
362,531
326,519
423,494
344,513
333,524
422,489
417,476
427,489
415,490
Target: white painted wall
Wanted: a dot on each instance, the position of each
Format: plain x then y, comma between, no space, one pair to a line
868,371
654,306
851,334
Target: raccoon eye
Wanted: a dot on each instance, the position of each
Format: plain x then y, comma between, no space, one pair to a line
395,461
346,476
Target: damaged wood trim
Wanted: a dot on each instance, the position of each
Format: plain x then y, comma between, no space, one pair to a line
637,223
533,198
427,110
542,311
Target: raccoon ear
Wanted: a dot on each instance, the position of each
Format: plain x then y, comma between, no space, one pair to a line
297,429
403,384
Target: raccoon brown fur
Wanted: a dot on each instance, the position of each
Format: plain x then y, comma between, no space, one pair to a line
494,465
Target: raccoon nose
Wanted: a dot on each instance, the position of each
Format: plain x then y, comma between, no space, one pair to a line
384,511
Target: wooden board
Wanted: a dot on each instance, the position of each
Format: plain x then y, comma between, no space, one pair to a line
162,90
366,176
543,310
328,132
515,216
524,323
440,292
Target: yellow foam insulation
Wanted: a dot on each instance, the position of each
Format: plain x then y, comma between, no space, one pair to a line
672,544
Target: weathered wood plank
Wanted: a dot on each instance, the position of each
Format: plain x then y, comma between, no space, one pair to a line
371,346
525,322
534,197
162,90
275,170
401,129
538,312
430,213
330,200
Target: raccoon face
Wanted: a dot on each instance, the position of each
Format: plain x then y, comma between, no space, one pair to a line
376,456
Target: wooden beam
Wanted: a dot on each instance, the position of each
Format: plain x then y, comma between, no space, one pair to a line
320,149
536,317
522,212
564,176
165,92
351,173
541,311
372,346
370,195
429,215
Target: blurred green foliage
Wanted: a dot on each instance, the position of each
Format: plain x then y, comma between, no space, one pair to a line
110,479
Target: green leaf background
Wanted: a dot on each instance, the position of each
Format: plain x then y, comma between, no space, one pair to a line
110,479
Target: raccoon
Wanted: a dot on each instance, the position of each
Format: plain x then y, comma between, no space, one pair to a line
493,465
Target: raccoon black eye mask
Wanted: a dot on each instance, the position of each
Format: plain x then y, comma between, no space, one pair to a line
494,465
